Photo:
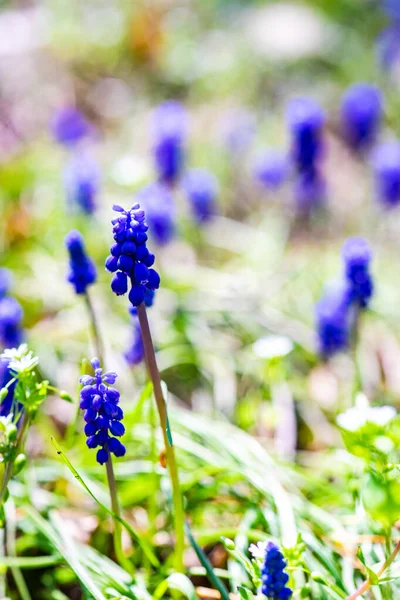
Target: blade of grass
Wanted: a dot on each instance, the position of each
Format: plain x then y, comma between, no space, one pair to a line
214,580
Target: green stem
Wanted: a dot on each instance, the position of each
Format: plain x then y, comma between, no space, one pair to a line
98,342
119,552
367,584
179,517
9,467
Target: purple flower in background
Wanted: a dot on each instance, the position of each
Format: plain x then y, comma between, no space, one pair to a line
69,126
5,377
201,188
169,133
386,166
333,322
388,46
82,181
135,352
361,114
309,190
102,414
158,203
391,8
11,315
305,119
82,271
5,281
357,255
271,168
130,258
273,576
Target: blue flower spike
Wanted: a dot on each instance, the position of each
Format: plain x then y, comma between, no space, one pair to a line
361,113
130,259
82,271
273,576
102,414
169,133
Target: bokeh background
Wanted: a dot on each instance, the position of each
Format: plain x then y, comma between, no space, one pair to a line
233,321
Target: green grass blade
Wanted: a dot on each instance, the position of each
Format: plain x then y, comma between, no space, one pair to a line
214,580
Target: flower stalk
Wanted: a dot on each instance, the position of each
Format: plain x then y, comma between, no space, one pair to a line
169,449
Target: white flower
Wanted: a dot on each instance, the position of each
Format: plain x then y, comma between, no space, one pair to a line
20,359
356,417
272,346
258,550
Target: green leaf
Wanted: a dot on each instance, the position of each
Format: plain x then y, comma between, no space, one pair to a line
179,582
142,543
214,580
372,576
62,545
245,594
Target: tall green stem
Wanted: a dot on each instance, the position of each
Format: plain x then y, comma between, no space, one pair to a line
119,552
179,518
98,342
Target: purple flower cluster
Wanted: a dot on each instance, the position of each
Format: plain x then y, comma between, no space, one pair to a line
82,271
332,320
271,168
386,167
69,126
273,576
5,377
158,203
336,313
361,114
102,414
82,181
306,120
201,188
357,257
169,132
130,258
11,314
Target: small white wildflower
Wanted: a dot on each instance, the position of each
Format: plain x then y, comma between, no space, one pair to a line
356,417
258,550
272,346
20,359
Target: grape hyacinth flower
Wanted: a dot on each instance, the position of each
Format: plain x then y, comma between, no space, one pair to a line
130,258
169,132
386,166
5,281
271,169
11,313
5,377
357,257
102,414
388,46
201,188
135,353
332,322
238,129
391,8
69,126
273,576
305,120
158,203
82,182
361,114
82,271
